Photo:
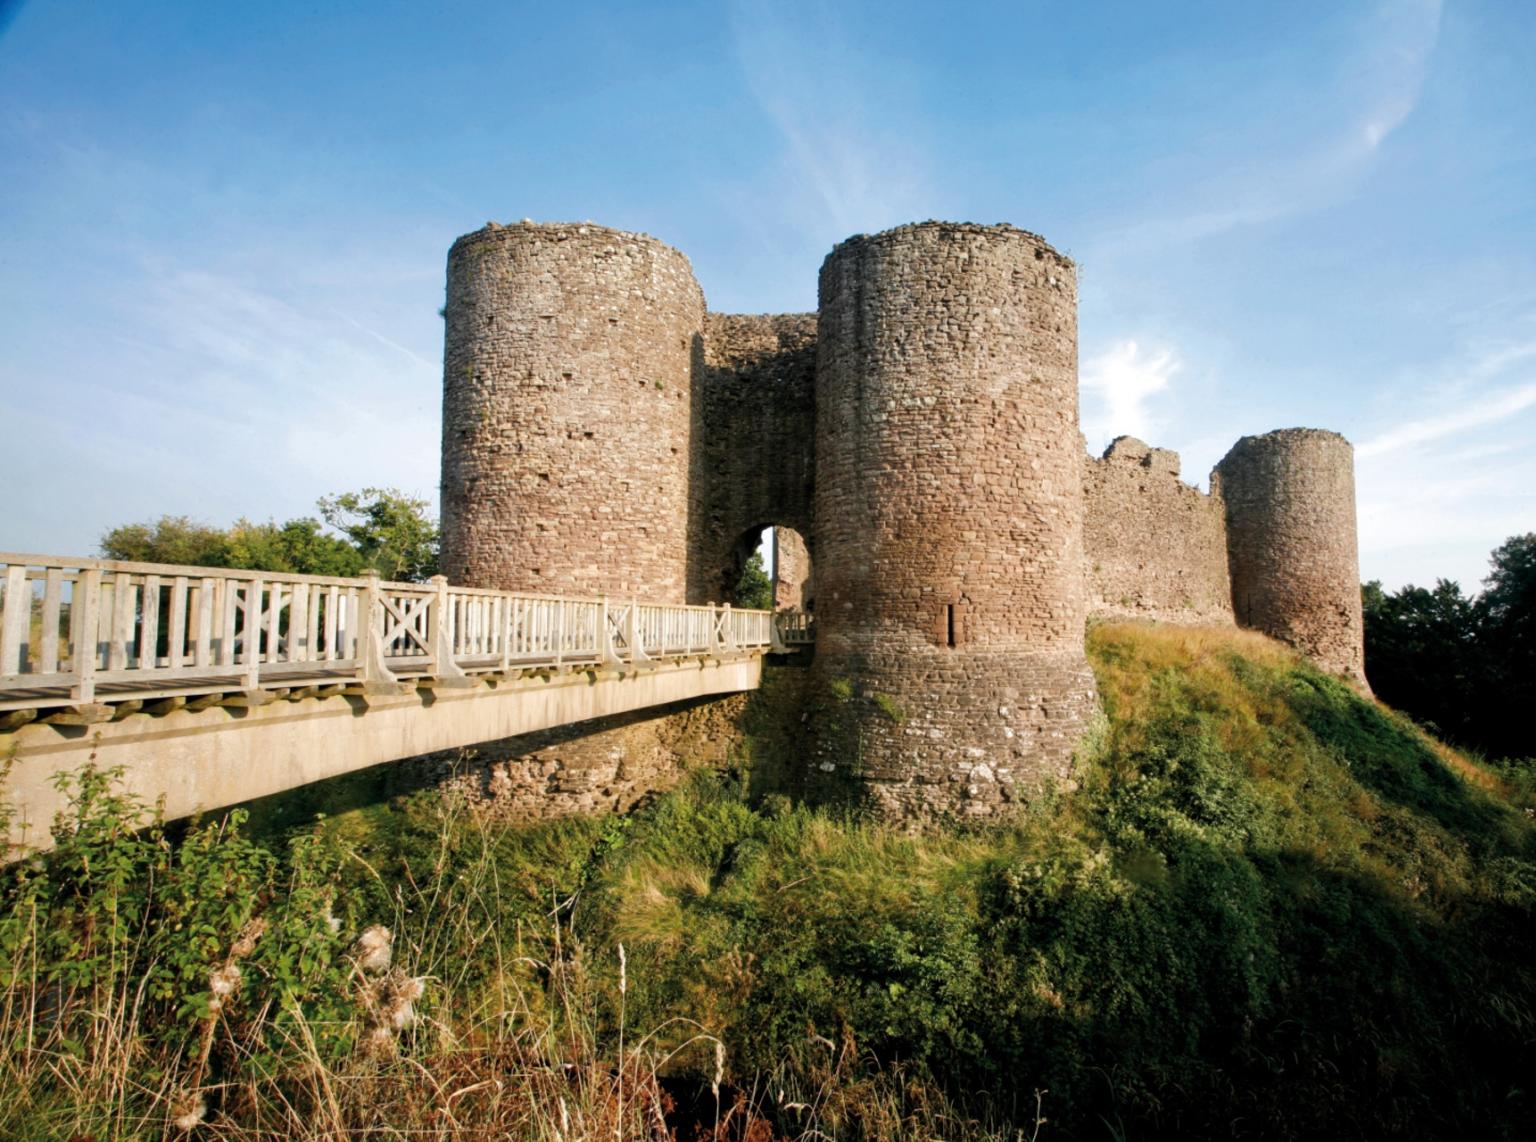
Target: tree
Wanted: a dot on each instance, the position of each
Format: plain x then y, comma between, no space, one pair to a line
170,539
1507,613
754,589
1422,654
297,547
1509,597
391,530
1466,666
381,529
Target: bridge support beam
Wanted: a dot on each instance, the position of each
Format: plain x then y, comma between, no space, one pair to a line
201,760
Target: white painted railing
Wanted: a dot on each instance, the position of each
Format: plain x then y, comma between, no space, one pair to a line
796,628
78,632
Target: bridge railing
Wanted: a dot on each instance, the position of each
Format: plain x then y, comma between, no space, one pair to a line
74,632
796,628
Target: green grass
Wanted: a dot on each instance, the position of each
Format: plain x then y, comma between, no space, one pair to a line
1269,909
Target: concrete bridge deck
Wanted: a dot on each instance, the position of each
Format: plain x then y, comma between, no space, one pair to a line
209,686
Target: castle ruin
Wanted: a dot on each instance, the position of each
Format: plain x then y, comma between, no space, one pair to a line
916,444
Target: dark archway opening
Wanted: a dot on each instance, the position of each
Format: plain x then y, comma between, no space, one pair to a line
769,568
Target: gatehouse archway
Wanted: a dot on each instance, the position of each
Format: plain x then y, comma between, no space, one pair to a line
769,567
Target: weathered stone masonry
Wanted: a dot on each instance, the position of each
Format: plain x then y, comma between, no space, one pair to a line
794,585
569,414
571,358
1156,547
759,431
1290,510
949,512
602,433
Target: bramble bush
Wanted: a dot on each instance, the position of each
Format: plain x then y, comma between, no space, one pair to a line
135,966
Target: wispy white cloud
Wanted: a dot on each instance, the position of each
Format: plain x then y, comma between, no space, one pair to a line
1400,42
1381,86
1425,515
840,173
1439,488
215,391
1120,382
1464,395
1491,408
293,378
410,354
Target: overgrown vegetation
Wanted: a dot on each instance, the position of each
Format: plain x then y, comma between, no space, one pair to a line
1269,909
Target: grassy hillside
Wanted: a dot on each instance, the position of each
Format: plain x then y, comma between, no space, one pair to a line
1269,909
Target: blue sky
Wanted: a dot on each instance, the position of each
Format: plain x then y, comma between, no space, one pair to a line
223,226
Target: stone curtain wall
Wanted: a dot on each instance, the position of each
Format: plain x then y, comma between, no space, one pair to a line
568,411
758,443
1156,548
949,508
1291,543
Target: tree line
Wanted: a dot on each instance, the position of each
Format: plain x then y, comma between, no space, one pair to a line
1465,666
376,529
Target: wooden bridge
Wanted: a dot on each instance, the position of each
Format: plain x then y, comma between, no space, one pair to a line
212,686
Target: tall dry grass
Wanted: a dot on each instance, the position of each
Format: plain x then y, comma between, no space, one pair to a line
199,986
117,1022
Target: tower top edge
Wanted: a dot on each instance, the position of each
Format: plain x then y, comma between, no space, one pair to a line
1000,230
1286,437
556,232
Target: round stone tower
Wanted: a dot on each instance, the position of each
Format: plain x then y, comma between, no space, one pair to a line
1291,543
568,411
950,596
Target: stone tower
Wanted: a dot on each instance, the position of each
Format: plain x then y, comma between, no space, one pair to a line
568,411
1291,543
949,514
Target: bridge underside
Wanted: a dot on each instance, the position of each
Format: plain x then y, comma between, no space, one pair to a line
208,759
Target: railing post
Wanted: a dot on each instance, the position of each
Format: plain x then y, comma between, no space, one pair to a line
253,624
509,615
440,636
606,648
727,628
632,633
298,624
559,633
16,621
372,670
88,597
775,642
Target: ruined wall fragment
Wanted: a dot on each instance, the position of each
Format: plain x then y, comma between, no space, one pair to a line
794,585
1156,548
